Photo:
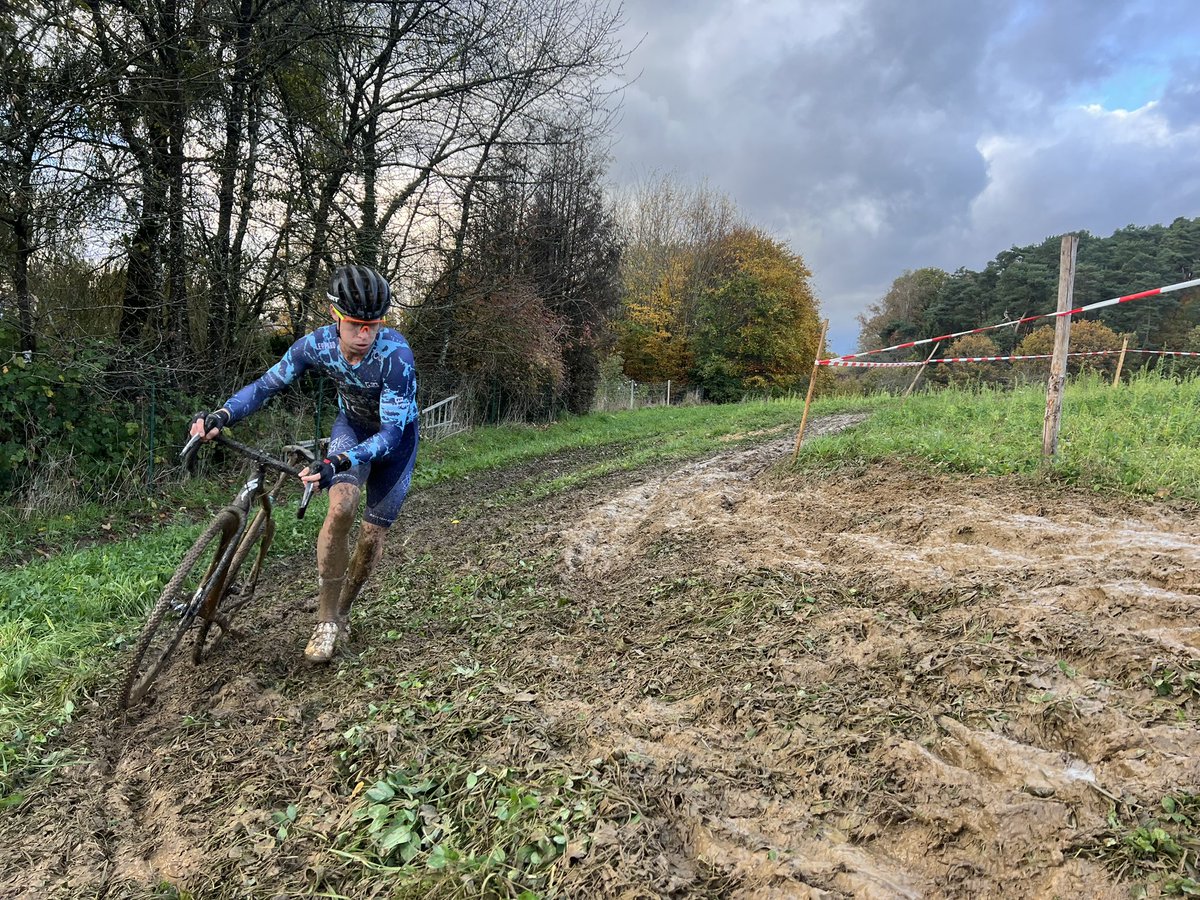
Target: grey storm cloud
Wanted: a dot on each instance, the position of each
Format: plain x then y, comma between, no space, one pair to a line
878,136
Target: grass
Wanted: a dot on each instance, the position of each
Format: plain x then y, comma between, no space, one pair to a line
1158,846
640,435
64,620
1142,438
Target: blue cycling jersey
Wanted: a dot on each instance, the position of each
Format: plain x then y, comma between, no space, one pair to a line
379,395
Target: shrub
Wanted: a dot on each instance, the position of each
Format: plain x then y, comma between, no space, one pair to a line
50,410
1086,336
974,374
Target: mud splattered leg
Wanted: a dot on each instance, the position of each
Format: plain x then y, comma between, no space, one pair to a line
366,555
333,549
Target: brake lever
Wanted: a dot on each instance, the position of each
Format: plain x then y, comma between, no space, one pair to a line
309,488
298,455
189,449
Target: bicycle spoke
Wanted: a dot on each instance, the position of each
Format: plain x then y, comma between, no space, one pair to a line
174,614
237,593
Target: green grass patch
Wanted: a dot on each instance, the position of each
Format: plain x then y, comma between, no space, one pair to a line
644,435
469,831
1157,848
66,620
1140,438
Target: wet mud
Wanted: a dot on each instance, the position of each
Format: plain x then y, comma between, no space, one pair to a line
874,682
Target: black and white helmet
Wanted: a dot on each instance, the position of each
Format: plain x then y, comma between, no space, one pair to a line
359,292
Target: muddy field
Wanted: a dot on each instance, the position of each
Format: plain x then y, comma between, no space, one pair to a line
876,682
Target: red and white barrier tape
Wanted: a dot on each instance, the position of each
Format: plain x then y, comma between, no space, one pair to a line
1183,285
858,364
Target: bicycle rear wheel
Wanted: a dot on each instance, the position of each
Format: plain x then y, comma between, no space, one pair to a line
175,611
236,594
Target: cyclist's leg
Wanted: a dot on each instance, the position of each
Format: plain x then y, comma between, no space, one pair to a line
333,548
387,488
367,552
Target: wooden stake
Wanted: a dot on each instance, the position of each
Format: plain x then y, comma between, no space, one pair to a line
936,344
1062,340
812,383
1120,361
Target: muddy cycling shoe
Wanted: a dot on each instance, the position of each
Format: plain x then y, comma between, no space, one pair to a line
321,644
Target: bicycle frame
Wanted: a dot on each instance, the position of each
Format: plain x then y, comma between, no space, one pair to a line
230,539
212,587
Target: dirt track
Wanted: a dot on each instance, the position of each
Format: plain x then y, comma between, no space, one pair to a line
872,683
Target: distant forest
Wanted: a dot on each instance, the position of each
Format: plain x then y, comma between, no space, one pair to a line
1023,281
178,181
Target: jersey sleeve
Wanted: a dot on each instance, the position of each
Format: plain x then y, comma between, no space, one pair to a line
397,407
300,356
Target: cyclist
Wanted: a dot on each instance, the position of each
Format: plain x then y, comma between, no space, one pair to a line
373,440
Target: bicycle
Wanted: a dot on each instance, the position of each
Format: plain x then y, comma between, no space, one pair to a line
205,586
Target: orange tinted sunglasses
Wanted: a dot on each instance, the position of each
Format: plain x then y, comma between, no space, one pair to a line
361,323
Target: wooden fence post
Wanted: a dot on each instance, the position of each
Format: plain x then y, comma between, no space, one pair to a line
1121,361
1062,340
812,382
913,383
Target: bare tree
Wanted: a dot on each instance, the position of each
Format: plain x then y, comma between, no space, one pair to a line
427,93
46,167
247,146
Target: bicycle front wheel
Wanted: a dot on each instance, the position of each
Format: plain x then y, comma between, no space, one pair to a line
237,592
175,611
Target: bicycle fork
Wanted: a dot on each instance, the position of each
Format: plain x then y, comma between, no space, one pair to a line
236,545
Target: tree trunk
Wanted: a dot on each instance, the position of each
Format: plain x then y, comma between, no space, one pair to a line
176,318
368,238
317,253
143,289
24,250
223,303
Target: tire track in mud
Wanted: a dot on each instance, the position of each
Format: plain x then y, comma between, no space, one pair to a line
870,683
969,684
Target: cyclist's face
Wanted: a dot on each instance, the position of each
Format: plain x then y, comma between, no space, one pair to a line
356,334
359,330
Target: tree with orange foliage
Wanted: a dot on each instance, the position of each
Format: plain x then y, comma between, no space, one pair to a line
1087,335
653,338
757,327
672,233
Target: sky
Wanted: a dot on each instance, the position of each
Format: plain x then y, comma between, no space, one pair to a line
879,136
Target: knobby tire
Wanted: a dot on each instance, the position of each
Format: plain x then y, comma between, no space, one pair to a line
228,605
142,672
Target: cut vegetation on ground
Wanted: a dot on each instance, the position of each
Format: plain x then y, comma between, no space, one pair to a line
649,658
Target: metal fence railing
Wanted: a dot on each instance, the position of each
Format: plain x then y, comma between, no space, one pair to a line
625,393
443,419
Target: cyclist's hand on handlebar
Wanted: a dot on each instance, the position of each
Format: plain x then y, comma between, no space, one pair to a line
321,474
209,426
